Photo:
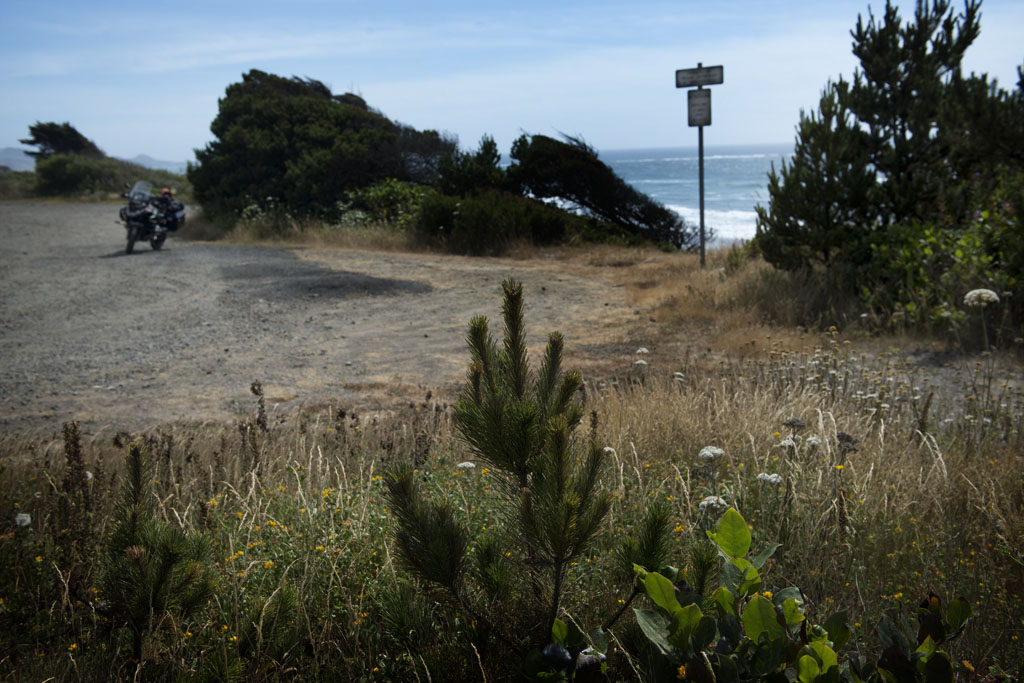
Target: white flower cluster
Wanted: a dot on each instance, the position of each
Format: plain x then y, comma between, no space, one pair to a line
710,453
713,502
22,519
979,298
773,479
467,465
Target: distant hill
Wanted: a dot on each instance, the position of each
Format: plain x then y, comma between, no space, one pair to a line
147,161
16,159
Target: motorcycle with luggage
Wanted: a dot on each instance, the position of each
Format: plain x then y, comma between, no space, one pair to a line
150,217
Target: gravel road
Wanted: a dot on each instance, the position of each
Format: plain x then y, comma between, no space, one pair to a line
130,341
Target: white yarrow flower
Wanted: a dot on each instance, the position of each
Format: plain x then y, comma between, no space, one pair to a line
979,298
773,479
787,443
642,349
466,465
640,362
710,453
713,502
22,519
609,449
88,475
813,441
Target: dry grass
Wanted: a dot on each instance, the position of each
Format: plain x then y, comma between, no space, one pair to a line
932,499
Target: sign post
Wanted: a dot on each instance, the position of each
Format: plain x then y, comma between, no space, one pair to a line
698,112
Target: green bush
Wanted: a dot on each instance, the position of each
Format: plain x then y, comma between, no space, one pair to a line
70,175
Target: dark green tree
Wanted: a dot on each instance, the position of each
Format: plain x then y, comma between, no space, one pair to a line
153,573
901,144
897,94
59,138
819,202
465,173
571,172
290,139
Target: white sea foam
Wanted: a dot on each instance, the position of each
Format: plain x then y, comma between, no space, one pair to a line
728,225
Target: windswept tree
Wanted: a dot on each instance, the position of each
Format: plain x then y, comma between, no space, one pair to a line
292,140
59,138
571,172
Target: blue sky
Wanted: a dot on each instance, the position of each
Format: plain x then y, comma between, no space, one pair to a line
145,77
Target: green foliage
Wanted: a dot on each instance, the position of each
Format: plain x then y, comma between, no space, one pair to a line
819,202
59,138
570,172
746,635
891,174
390,201
292,140
490,222
73,175
521,426
154,574
462,174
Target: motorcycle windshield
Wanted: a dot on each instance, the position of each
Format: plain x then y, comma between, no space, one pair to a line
141,191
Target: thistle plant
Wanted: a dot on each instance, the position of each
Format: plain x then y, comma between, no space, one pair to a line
522,427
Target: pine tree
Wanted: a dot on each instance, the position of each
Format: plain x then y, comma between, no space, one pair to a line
522,427
153,572
819,202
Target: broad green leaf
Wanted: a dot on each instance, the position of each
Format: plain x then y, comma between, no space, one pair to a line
759,618
791,612
927,648
655,626
958,612
762,557
639,572
684,620
724,600
559,631
751,580
807,669
838,629
826,655
732,535
704,634
598,639
661,591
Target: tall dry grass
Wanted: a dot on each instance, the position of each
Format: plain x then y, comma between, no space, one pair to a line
923,493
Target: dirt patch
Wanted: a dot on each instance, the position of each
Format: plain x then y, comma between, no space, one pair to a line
129,341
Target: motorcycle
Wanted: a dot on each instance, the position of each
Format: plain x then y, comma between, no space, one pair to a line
150,217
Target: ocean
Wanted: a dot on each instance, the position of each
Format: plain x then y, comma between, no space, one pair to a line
735,181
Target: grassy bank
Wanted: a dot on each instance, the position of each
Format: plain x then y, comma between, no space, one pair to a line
308,587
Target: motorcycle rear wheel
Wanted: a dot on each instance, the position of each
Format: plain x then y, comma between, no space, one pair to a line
132,236
157,241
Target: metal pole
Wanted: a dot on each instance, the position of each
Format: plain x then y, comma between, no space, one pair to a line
700,164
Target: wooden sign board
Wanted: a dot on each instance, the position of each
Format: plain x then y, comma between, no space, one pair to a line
704,75
698,107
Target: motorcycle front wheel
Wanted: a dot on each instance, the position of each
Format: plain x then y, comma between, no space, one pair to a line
132,236
157,241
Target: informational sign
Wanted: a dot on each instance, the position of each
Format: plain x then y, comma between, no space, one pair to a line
698,112
702,75
698,108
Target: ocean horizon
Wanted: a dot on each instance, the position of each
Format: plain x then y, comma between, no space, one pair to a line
735,181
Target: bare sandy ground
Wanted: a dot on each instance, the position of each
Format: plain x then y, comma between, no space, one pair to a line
128,341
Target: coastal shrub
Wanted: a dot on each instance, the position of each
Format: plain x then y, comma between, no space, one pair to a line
901,181
740,632
390,201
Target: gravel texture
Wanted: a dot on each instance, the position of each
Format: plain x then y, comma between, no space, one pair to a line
129,341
